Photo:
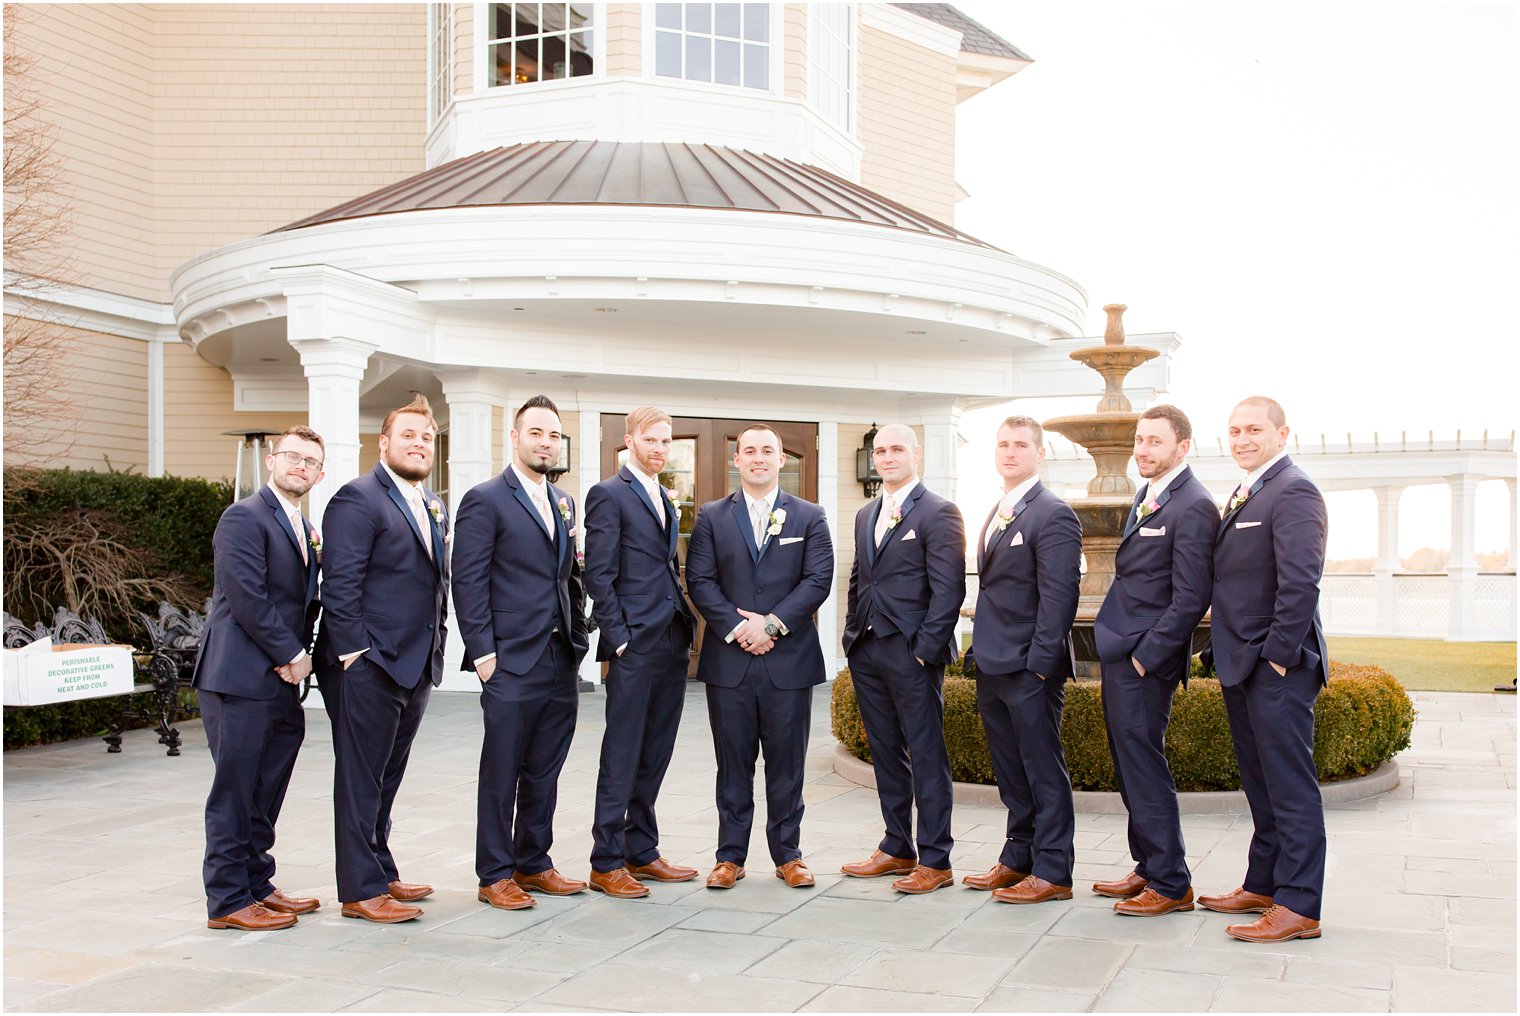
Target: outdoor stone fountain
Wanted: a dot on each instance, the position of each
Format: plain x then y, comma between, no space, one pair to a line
1108,435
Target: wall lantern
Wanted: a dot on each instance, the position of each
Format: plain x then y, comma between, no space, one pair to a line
562,464
865,464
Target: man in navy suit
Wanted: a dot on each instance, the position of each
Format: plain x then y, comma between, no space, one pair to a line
759,565
1269,651
1029,562
521,608
380,651
634,579
907,584
252,658
1163,578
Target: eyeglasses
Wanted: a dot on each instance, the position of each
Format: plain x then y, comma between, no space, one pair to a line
296,458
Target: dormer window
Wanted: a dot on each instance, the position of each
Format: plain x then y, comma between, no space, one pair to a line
527,43
727,44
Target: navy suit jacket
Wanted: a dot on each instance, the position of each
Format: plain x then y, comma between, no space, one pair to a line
512,584
915,582
790,576
632,573
264,603
1163,579
1269,555
380,590
1027,592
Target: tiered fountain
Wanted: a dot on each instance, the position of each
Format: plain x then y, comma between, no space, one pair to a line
1108,435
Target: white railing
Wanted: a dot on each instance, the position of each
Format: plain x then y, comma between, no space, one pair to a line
1415,606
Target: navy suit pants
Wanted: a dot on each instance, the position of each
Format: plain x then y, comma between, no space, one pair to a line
254,743
529,721
903,706
1272,723
377,720
745,720
1136,711
1021,715
645,694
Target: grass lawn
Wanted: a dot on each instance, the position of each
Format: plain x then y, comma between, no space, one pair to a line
1429,665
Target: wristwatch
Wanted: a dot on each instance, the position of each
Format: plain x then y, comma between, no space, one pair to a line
771,628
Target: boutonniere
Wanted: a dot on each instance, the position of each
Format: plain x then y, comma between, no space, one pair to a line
315,539
895,517
1236,500
674,497
1005,517
778,519
564,509
1146,510
435,509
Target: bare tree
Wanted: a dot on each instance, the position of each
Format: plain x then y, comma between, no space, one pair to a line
40,420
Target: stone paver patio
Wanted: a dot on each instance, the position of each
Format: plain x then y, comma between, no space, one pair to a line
103,906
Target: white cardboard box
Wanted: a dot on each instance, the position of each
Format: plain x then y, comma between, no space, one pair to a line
41,673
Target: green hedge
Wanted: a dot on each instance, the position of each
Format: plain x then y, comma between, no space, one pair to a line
1362,719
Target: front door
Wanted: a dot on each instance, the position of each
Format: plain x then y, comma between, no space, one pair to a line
701,469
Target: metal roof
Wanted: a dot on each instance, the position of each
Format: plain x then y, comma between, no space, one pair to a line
974,37
628,173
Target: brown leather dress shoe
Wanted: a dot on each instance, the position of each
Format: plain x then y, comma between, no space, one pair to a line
282,904
549,882
1032,890
253,917
661,870
381,910
1278,924
795,874
1237,901
879,864
1130,885
408,892
1150,903
997,877
618,884
724,875
924,880
505,894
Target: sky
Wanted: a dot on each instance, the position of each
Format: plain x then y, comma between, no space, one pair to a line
1319,198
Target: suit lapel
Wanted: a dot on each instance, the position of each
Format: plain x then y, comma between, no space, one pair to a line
983,545
312,564
902,515
526,500
400,501
1255,491
273,501
1018,510
740,512
563,530
778,505
435,530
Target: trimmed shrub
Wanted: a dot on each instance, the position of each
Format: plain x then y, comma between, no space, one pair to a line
1362,719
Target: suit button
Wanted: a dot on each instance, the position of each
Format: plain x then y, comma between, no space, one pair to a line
759,590
430,627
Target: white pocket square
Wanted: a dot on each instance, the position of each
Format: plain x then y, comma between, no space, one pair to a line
1246,525
791,539
1018,540
1152,532
912,535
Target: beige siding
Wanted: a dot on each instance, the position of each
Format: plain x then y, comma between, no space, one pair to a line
624,56
464,48
198,409
102,415
794,57
570,483
907,123
498,439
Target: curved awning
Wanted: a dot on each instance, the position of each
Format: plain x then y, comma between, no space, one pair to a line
636,173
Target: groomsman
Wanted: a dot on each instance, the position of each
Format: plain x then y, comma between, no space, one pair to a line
521,609
252,659
634,579
1163,578
759,565
380,652
907,585
1270,653
1029,562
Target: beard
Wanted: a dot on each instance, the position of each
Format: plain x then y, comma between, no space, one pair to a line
542,469
407,469
290,485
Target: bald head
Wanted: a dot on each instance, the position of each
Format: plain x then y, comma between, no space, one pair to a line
896,454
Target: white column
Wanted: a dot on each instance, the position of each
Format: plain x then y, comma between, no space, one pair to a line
828,498
1387,562
942,445
1510,483
156,407
1462,569
588,452
472,398
334,370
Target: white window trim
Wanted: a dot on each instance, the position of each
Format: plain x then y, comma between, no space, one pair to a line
442,109
481,54
775,65
853,109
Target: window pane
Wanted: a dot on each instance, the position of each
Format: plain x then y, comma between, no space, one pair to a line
581,46
757,22
667,15
527,61
580,15
501,21
756,69
698,58
501,65
699,17
727,21
553,17
727,69
667,54
555,64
